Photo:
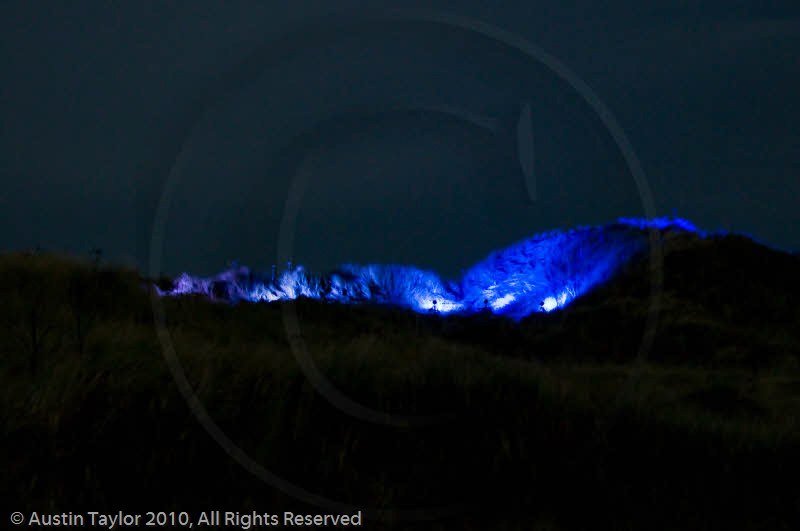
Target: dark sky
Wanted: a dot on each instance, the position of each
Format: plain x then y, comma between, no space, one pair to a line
406,132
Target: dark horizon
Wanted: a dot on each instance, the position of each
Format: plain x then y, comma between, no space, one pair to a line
98,100
513,300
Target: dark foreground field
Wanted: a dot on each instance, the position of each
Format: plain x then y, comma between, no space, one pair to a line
556,422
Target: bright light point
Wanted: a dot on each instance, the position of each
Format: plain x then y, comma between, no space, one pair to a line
442,306
549,304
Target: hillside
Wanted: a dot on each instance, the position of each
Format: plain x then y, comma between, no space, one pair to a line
557,421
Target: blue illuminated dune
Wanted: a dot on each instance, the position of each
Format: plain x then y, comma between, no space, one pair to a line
542,273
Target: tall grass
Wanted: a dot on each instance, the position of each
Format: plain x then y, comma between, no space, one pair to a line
532,442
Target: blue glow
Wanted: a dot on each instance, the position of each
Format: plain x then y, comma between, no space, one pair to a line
661,224
540,274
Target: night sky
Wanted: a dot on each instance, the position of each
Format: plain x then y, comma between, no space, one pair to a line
406,133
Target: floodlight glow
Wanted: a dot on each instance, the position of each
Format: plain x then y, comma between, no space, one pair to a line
543,273
549,304
502,301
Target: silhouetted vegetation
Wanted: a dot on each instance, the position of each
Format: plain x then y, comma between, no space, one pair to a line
554,422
